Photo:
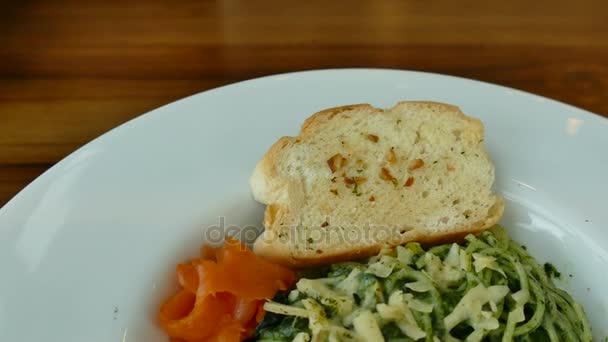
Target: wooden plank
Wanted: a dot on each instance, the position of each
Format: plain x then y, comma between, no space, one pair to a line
44,120
230,22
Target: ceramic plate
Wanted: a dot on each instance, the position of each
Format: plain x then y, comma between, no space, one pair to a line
87,251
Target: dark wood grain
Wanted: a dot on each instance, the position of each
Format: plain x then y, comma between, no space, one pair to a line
71,70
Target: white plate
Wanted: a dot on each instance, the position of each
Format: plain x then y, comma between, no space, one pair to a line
87,251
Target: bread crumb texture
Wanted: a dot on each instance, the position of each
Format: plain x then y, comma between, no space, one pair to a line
416,171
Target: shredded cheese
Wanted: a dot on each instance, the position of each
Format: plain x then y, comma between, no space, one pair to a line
484,261
283,309
367,327
470,307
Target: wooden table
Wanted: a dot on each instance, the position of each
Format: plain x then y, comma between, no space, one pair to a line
71,70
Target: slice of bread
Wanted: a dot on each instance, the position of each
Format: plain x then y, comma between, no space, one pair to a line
358,178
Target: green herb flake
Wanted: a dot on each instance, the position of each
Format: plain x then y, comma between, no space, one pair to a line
356,190
551,271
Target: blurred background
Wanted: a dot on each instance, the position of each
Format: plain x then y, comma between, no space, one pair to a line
71,70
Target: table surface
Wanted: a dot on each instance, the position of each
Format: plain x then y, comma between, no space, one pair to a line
71,70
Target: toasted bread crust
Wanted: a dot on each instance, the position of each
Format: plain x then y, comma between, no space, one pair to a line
318,119
281,253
